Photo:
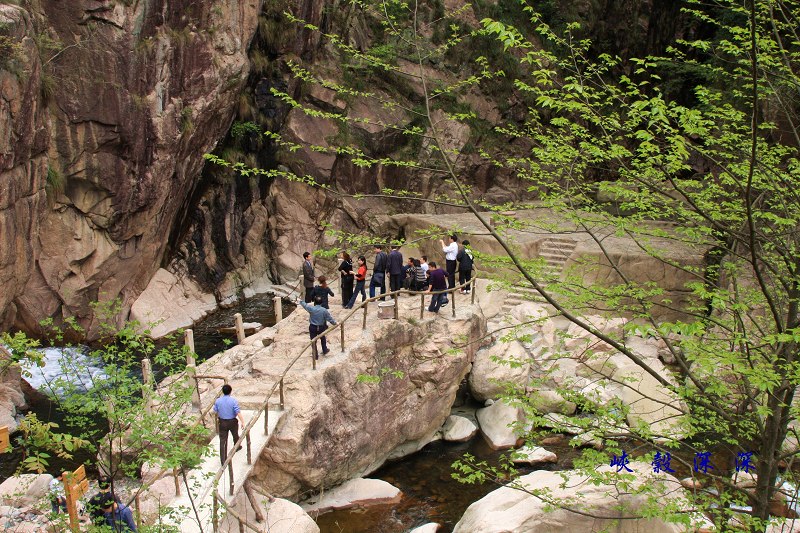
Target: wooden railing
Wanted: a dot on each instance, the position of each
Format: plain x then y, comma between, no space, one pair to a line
264,407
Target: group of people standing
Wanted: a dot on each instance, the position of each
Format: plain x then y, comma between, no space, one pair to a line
415,274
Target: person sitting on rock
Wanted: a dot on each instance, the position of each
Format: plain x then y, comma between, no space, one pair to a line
118,516
58,499
319,317
322,291
95,504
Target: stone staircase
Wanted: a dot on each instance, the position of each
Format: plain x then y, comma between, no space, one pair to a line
200,478
555,251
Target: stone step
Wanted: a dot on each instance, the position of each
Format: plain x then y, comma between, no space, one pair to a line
200,478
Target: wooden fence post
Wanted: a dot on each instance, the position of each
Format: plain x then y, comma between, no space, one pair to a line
75,486
281,394
239,328
396,306
364,323
341,328
277,303
422,306
453,297
472,291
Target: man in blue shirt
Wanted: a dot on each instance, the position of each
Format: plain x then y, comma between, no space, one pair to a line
227,409
318,322
117,515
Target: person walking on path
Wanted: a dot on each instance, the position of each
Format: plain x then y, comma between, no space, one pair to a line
229,414
465,264
438,282
322,291
308,276
361,276
118,516
319,317
346,272
379,272
395,269
450,253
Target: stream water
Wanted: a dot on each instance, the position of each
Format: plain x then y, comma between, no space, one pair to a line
430,494
76,365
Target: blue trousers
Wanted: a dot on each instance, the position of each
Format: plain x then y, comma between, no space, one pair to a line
359,289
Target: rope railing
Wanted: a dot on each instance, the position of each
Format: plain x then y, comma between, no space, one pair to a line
219,499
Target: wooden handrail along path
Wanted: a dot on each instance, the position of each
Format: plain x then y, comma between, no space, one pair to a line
218,499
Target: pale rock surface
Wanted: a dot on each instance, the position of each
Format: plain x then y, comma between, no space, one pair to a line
533,455
458,429
280,516
171,303
432,527
24,490
507,509
12,399
496,424
359,492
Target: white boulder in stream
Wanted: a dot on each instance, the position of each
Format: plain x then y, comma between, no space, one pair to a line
497,423
507,509
533,455
458,429
357,492
432,527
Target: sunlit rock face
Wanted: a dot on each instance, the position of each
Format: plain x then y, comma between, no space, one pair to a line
109,107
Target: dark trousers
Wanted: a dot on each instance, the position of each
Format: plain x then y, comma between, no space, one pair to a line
313,331
378,280
359,289
436,302
347,290
451,273
309,292
464,276
395,282
225,426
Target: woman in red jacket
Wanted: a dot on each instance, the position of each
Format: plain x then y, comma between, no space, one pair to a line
361,275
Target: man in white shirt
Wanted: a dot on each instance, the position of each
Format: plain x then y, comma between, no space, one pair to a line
450,252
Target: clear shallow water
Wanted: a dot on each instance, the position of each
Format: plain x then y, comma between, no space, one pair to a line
430,494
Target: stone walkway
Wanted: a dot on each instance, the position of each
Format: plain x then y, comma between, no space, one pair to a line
199,479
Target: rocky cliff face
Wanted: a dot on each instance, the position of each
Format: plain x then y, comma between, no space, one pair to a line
109,107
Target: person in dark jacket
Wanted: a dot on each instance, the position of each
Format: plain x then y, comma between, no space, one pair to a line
348,277
395,269
379,272
308,276
322,291
438,280
465,264
118,516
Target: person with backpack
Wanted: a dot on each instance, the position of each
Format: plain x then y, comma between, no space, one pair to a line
465,259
